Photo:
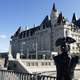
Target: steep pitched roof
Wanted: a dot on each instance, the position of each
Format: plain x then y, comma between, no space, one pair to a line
60,18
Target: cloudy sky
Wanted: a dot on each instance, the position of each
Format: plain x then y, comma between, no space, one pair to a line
15,13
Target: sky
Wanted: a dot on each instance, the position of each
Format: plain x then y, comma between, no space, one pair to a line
15,13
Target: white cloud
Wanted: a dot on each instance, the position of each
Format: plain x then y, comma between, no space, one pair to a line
2,36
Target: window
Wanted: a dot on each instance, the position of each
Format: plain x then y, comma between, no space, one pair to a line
23,43
42,63
49,63
36,64
67,32
46,63
28,64
32,64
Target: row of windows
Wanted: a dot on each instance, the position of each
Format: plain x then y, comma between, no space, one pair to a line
75,48
38,64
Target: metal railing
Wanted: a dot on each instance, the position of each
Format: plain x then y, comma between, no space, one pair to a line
11,75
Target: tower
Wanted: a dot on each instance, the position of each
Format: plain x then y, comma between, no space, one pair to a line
54,14
59,27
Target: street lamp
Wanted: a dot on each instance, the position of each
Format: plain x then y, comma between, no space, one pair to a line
36,50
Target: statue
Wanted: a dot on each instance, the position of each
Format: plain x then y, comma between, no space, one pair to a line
65,64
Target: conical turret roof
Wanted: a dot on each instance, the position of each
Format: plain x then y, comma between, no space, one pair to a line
74,18
54,8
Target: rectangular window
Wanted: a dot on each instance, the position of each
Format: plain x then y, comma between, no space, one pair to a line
42,63
36,64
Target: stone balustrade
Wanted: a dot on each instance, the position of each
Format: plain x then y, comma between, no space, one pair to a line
10,75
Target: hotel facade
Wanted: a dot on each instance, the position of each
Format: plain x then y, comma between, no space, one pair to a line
40,40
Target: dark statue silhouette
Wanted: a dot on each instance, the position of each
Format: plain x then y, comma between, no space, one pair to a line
65,64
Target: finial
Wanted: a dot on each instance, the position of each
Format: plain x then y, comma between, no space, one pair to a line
54,8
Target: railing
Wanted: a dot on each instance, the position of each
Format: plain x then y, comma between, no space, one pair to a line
10,75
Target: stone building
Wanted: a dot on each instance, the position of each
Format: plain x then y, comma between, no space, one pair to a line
40,40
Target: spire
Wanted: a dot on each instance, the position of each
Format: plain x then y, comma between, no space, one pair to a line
54,8
74,18
60,18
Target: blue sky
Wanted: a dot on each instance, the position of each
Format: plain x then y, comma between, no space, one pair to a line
15,13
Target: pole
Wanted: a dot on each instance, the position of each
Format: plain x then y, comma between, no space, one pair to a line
27,53
36,51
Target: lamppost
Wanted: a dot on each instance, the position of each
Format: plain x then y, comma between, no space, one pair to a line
36,50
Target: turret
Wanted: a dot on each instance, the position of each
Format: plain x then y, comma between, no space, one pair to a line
54,13
54,8
74,18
